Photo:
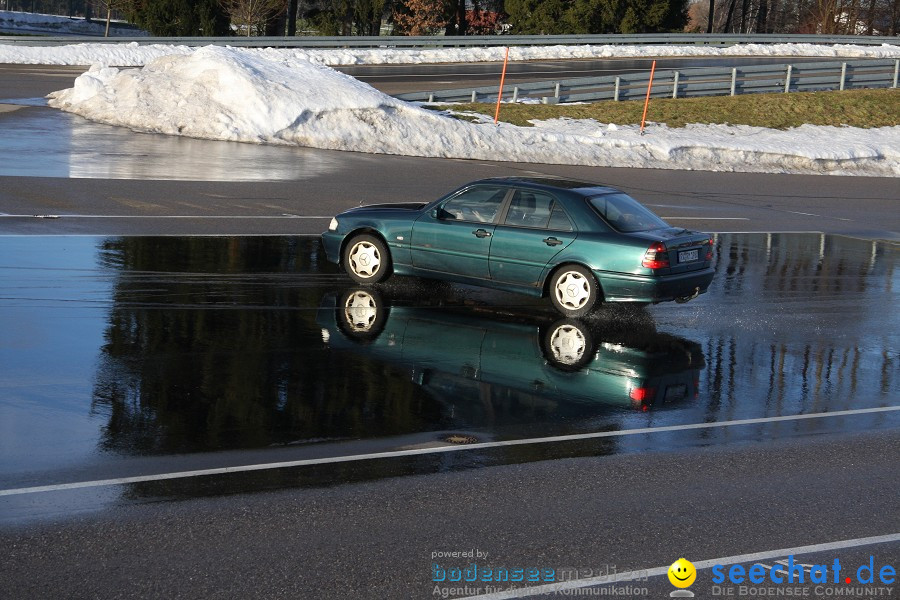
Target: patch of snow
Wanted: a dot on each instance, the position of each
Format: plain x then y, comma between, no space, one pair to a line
36,22
128,54
134,55
229,94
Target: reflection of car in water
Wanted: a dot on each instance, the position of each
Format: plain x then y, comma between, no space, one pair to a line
460,353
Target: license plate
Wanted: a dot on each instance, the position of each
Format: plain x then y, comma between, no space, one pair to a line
676,392
688,255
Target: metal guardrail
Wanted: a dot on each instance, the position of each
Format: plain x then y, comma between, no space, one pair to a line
463,41
707,81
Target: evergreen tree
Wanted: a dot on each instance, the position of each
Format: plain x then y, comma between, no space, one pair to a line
537,16
651,16
212,18
177,18
595,16
367,16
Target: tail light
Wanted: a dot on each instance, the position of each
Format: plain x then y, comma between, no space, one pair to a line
656,257
642,394
710,249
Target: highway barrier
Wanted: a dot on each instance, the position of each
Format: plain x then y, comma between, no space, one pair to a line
684,83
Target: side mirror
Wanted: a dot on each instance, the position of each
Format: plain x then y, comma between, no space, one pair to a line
434,213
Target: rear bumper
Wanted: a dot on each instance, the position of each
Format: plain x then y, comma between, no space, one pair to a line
636,288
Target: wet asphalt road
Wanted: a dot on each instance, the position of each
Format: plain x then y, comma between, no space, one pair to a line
142,356
378,539
129,356
164,347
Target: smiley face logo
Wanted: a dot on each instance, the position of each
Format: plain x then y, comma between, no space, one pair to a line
682,573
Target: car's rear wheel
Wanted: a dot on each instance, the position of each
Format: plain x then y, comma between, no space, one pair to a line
367,259
568,345
573,290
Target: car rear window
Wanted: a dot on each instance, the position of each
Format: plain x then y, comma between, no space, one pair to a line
625,214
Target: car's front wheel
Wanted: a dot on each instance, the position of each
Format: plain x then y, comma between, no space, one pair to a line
573,291
367,259
361,314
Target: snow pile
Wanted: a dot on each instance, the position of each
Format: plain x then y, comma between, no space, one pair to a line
221,93
31,22
134,55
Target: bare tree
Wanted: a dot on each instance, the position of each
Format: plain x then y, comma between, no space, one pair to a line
110,6
762,14
252,15
729,17
828,16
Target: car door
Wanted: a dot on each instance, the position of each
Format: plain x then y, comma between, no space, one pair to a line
534,229
511,359
456,236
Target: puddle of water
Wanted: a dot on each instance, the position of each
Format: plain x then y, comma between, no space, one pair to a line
25,101
118,350
44,142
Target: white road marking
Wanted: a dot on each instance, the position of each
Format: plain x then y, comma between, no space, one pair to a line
806,214
282,216
132,234
698,564
438,450
773,232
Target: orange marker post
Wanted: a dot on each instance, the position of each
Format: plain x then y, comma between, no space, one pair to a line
500,93
647,100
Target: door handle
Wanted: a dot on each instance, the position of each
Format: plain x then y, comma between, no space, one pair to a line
552,241
481,233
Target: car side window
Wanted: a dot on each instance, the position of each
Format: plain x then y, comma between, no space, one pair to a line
559,220
536,209
529,209
479,204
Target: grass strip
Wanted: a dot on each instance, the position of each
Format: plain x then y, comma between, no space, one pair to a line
855,108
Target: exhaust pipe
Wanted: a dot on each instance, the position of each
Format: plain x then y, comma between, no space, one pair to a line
684,299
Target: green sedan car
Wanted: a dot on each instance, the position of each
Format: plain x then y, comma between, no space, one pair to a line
578,243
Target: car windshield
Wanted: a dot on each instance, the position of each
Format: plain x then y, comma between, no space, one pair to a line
625,214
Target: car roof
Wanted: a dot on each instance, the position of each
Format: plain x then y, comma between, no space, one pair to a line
551,183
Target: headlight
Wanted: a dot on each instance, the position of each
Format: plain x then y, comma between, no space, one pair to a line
333,225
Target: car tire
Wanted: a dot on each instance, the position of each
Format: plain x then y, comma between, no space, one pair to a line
367,259
573,290
568,344
361,314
